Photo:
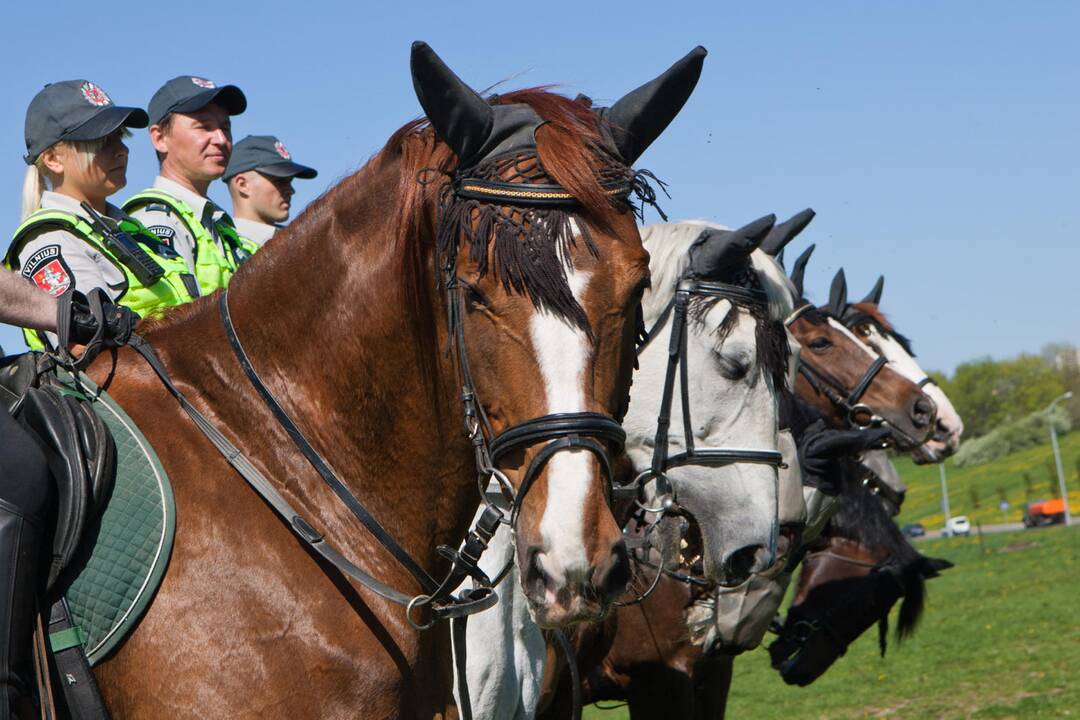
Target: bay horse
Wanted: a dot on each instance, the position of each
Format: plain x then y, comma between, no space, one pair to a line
726,302
870,325
436,276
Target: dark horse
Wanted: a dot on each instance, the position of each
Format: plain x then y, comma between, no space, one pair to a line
343,315
851,578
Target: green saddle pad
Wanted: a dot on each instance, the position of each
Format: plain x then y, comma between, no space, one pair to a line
125,552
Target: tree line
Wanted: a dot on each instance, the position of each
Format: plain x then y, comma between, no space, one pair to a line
989,393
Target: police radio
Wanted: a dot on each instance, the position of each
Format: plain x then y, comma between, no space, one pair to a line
126,249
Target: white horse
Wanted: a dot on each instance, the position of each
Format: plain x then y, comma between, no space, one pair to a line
732,391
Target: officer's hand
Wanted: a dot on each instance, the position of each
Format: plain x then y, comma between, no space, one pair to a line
820,447
119,321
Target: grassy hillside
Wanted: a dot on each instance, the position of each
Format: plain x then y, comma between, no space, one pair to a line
1000,639
986,483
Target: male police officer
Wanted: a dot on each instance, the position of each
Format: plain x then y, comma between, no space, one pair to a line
192,134
259,177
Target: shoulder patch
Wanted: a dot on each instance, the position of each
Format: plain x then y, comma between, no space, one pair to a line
48,270
163,233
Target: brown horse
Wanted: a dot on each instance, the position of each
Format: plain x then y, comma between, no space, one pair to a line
656,662
249,623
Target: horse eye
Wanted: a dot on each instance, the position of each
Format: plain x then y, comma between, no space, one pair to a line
865,330
820,343
733,367
473,294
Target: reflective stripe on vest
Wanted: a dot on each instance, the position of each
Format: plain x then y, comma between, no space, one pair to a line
149,301
213,268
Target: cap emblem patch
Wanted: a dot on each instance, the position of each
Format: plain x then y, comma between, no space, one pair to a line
95,95
204,83
282,150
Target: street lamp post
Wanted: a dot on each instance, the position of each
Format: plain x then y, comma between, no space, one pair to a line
944,496
1057,455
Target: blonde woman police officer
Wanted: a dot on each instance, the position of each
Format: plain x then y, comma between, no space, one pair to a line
259,177
192,135
70,236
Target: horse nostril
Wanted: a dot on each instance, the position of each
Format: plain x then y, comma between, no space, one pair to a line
612,576
744,562
923,412
534,577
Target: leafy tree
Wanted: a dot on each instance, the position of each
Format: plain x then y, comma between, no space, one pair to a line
988,393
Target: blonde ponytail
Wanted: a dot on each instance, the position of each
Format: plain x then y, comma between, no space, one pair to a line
33,186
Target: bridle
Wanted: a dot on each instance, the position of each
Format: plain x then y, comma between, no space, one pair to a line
840,396
677,309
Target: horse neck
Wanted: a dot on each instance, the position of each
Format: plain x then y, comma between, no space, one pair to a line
326,322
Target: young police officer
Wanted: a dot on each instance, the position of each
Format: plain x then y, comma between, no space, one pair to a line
192,134
259,177
71,237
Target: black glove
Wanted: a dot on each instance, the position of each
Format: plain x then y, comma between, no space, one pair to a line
821,449
119,321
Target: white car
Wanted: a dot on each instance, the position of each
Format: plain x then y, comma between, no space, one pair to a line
958,525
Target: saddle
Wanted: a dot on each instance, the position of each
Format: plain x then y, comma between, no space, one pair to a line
79,448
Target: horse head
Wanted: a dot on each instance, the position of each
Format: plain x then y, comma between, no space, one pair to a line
734,365
850,580
870,325
536,235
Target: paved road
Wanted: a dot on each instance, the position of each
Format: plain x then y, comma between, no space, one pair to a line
986,529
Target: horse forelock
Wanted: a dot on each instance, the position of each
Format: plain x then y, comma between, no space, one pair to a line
862,517
668,245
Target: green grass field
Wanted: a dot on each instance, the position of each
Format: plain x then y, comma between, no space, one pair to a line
986,484
1000,639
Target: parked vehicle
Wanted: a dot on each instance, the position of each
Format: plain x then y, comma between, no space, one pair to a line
1044,512
913,530
958,525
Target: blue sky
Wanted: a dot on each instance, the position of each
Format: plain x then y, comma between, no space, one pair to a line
939,142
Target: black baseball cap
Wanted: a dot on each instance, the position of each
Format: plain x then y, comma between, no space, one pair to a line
266,154
74,110
188,93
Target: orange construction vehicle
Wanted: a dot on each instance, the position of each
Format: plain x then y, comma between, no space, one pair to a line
1045,512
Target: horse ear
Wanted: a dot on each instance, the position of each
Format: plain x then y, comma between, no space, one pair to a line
875,293
838,294
799,270
932,567
785,232
718,250
461,118
638,118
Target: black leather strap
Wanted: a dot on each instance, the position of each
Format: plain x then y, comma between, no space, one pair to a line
77,682
427,583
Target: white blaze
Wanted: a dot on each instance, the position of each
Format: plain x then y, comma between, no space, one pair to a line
562,352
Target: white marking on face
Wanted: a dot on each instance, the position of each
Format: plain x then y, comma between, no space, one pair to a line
836,325
562,352
891,349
